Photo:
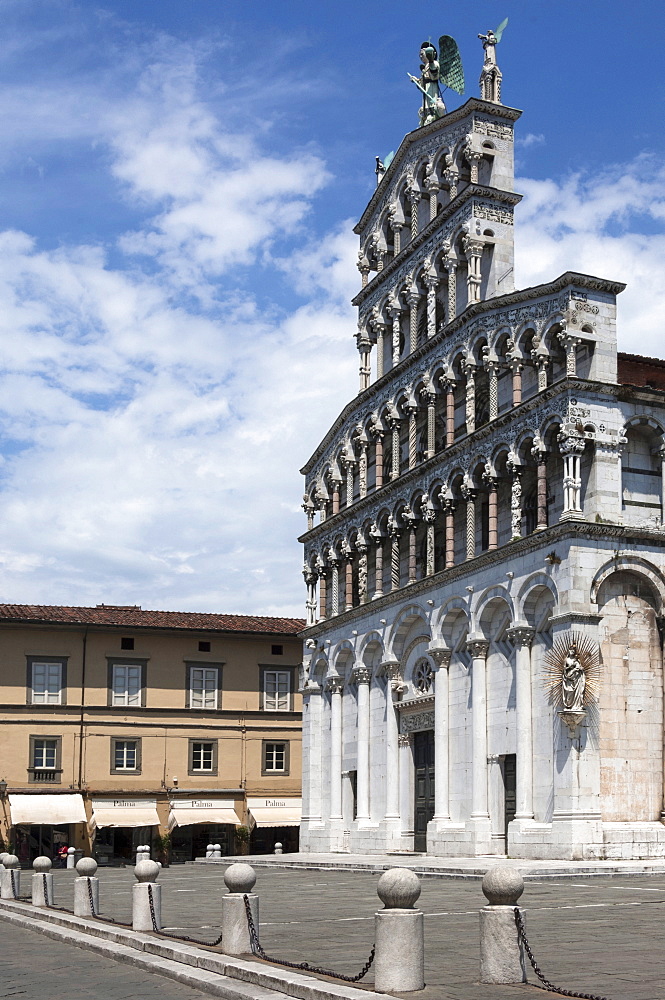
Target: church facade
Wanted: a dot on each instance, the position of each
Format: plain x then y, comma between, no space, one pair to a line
485,522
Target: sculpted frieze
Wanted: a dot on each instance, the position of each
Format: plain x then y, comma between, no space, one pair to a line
416,722
484,126
493,214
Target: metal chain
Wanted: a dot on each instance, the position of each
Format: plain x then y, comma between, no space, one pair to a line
546,984
45,881
177,937
304,966
91,898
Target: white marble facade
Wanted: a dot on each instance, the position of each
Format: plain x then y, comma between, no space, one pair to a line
492,486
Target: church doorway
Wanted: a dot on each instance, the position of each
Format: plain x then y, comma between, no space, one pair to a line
509,773
423,756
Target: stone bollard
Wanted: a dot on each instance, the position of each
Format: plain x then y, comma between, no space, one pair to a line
3,855
10,879
71,857
399,933
216,850
501,952
278,848
240,879
146,873
210,850
86,885
42,882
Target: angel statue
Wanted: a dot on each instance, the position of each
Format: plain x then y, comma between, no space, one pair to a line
573,681
444,66
490,77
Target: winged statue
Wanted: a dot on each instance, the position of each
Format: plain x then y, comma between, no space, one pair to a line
490,76
442,66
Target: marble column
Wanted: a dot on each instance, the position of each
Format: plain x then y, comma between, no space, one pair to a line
396,314
451,268
362,548
348,603
479,797
470,402
522,636
323,593
413,299
395,575
448,385
441,658
377,536
571,447
470,498
541,492
312,726
430,399
516,368
395,426
431,283
350,467
378,460
334,589
380,339
515,501
493,513
429,517
493,375
362,468
394,688
335,686
362,676
336,490
449,507
413,569
412,411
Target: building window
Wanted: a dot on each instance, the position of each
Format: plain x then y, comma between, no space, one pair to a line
204,647
45,759
126,683
277,650
203,756
276,690
125,756
126,642
203,687
46,681
275,758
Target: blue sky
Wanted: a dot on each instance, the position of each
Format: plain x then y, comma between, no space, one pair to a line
178,182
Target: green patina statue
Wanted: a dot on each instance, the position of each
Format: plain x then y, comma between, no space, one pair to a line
444,66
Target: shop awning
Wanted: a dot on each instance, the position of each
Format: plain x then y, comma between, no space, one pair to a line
124,812
275,812
47,810
194,811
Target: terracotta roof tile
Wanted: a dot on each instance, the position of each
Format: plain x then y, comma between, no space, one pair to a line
633,369
135,617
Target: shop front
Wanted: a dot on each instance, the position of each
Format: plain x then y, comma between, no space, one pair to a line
274,821
195,823
119,826
42,824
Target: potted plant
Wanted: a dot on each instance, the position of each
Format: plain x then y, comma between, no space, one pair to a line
242,835
162,848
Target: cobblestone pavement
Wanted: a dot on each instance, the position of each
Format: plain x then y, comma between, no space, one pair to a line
597,935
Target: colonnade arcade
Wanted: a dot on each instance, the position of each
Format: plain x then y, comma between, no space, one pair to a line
445,662
501,496
474,385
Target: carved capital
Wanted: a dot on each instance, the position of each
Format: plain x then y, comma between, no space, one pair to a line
362,675
478,648
335,684
441,656
521,635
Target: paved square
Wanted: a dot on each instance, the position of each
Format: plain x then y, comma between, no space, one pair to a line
597,935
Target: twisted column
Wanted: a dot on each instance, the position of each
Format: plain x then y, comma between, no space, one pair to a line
429,517
334,594
412,411
470,497
395,426
394,532
451,268
413,299
493,373
431,284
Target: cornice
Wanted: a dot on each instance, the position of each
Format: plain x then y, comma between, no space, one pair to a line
441,124
574,530
470,191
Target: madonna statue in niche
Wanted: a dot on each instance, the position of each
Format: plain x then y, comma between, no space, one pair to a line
573,681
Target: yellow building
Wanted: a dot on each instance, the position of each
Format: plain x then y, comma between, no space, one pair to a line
119,726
